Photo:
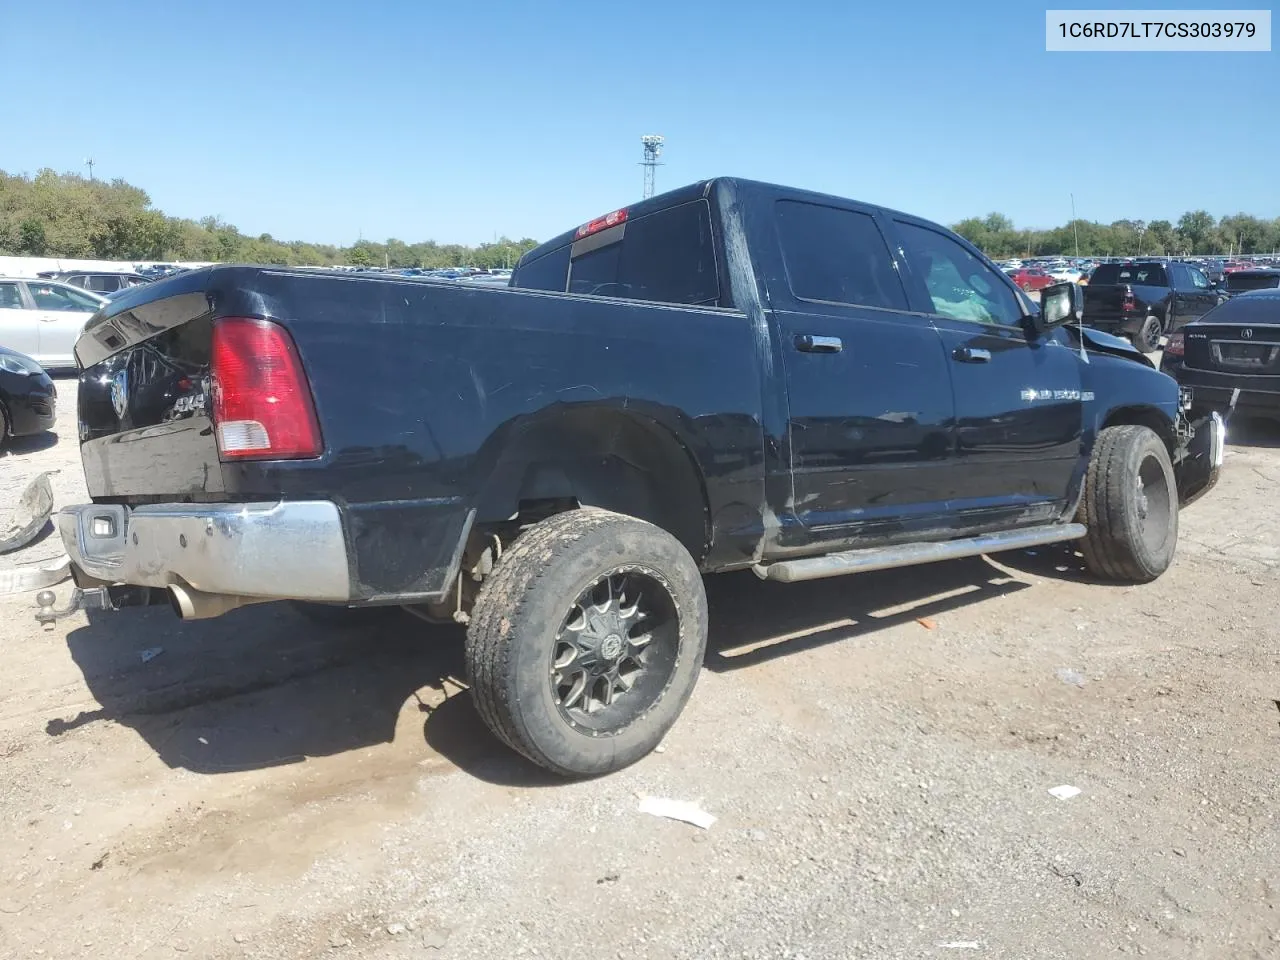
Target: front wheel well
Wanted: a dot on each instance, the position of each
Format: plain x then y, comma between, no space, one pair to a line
1152,418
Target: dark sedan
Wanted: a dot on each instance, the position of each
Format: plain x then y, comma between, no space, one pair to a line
1230,357
28,398
1242,281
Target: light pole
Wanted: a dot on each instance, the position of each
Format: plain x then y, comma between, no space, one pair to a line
1075,227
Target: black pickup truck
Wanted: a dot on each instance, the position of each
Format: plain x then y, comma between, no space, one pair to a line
1147,300
731,376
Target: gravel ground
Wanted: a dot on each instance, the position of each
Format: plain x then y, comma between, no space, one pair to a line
878,751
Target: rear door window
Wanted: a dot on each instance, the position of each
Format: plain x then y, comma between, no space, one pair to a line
834,255
667,256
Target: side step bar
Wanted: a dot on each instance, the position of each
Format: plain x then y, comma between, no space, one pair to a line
909,554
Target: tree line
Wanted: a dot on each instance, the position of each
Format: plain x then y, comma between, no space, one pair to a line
65,215
1196,232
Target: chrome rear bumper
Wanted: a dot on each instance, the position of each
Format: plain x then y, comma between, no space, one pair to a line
288,550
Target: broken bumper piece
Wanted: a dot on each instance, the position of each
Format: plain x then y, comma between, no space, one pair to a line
1198,469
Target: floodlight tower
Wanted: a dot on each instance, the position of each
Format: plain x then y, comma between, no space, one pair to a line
652,150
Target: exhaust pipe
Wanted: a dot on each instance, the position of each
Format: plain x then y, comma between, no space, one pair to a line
191,604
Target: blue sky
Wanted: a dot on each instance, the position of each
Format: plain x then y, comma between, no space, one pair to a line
422,120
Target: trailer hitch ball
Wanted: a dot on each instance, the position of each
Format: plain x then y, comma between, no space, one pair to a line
45,600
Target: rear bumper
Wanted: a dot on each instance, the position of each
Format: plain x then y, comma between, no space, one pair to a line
1118,324
1197,471
291,550
1213,390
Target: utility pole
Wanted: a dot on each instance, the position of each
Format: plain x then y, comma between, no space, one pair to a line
88,162
1075,226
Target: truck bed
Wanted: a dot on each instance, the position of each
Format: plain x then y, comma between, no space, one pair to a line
432,401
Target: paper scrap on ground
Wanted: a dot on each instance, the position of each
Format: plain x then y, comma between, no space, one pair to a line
1064,792
961,945
683,810
927,622
150,653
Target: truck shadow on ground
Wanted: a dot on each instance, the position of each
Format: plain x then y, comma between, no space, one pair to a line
263,687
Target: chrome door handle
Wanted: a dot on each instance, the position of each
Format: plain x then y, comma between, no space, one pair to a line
972,355
809,343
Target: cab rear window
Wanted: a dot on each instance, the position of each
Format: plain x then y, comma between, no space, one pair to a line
1151,274
547,272
668,256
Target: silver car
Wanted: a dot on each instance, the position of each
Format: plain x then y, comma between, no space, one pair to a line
44,318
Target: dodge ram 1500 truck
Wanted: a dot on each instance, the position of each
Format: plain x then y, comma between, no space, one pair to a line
729,376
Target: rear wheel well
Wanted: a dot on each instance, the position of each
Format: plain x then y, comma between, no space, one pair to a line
599,458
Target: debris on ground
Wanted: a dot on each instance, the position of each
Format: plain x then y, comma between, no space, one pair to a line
150,653
29,516
1073,677
961,945
683,810
1065,791
927,622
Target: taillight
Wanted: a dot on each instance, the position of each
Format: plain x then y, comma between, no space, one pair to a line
1127,302
262,407
1176,346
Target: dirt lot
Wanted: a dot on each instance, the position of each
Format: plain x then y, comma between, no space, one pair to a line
263,789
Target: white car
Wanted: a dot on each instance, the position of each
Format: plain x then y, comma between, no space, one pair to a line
1066,274
44,318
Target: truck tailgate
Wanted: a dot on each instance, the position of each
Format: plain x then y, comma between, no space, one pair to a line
145,429
1102,303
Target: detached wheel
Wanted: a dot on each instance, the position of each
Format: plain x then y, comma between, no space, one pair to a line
1147,339
586,640
1130,505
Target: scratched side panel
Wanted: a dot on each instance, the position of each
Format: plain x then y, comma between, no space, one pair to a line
418,385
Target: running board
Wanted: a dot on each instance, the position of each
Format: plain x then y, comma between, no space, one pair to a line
909,554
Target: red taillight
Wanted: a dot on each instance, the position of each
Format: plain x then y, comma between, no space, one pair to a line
603,223
262,408
1176,345
1127,302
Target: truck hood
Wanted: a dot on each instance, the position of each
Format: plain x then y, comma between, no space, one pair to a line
1100,342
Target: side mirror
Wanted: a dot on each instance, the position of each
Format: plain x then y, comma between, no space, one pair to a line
1059,304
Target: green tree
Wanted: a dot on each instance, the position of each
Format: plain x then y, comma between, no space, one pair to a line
31,238
1159,238
1195,230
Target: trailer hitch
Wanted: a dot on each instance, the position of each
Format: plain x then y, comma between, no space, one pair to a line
93,598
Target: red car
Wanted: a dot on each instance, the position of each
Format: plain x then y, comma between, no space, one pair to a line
1032,278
